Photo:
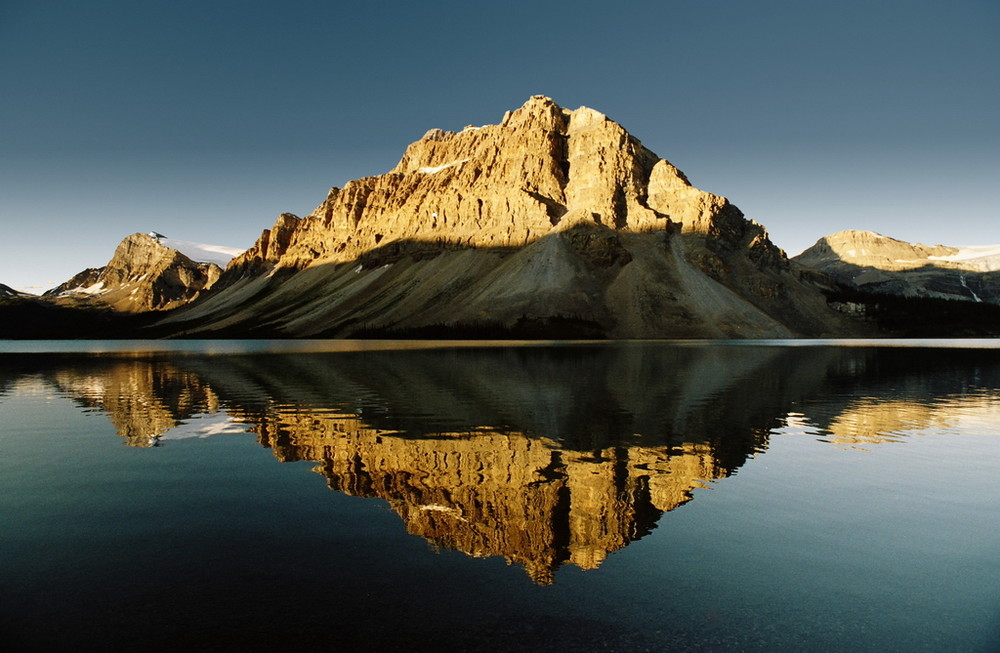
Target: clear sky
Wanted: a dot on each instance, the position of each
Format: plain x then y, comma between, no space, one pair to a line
205,120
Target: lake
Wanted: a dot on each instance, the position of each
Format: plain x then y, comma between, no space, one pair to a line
570,496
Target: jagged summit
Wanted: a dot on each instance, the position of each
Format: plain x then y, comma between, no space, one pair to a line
145,273
551,222
541,170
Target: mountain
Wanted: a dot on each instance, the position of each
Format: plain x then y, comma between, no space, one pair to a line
7,291
875,263
552,223
147,272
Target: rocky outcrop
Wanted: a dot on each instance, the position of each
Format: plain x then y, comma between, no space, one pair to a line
551,221
267,251
875,263
143,275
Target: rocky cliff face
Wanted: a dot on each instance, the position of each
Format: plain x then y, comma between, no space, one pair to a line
877,263
542,169
553,219
143,275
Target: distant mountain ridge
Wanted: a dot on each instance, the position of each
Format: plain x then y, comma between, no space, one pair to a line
875,263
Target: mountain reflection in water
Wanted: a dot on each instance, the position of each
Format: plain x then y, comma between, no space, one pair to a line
544,456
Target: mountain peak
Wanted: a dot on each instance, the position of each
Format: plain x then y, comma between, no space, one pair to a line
538,104
552,221
540,170
872,262
869,248
148,271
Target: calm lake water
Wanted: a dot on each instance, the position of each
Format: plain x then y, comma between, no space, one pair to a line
474,496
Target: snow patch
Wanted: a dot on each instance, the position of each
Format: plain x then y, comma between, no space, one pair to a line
202,253
95,289
431,171
985,258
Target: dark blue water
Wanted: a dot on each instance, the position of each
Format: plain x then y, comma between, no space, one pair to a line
629,496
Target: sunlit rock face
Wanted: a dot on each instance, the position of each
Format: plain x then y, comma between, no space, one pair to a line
553,221
143,275
877,263
542,169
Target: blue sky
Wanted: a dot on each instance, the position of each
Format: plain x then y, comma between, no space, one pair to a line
205,120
